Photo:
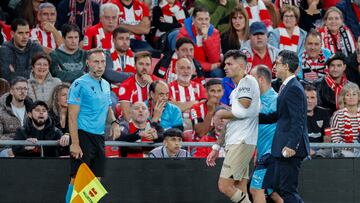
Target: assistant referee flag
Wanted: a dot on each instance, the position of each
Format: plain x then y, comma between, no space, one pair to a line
87,188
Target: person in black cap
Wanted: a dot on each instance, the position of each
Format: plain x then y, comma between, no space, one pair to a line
39,127
329,87
172,146
257,49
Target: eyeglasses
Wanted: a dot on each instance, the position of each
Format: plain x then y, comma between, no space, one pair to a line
289,16
21,88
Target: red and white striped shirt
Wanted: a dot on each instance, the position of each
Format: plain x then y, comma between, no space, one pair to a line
345,128
198,112
193,92
130,90
95,37
45,39
124,63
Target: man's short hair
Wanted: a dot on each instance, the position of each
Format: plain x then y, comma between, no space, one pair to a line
290,58
173,132
18,21
40,55
142,54
94,51
309,87
119,30
66,28
236,54
39,103
46,5
212,82
109,6
198,9
154,84
183,40
313,32
17,79
264,71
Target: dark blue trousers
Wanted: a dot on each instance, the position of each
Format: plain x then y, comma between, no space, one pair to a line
286,178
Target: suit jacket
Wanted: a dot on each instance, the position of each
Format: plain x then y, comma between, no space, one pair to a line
291,130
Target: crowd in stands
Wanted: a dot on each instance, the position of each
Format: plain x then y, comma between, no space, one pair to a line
164,60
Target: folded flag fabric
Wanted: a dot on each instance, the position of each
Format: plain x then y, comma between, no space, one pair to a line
87,188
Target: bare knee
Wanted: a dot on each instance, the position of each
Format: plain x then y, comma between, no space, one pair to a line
226,188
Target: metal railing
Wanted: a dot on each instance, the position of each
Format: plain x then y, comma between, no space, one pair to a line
333,146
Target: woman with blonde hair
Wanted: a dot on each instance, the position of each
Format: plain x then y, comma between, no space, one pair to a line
238,30
335,35
345,122
288,35
58,107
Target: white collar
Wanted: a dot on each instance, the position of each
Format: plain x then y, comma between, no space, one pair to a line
288,79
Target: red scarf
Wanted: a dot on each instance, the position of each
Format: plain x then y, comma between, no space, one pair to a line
129,62
175,11
87,14
285,41
313,69
343,41
263,13
348,128
281,3
336,87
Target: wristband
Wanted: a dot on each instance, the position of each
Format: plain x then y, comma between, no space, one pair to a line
216,147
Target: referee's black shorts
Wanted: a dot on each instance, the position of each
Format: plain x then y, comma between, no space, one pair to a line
93,148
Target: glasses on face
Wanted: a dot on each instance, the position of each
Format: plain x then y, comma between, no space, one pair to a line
289,16
21,89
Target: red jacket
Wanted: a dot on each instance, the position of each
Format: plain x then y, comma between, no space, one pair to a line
203,152
209,52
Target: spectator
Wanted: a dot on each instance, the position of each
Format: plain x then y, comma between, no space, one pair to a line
217,126
206,39
165,68
58,111
258,12
345,123
41,82
184,93
329,87
288,35
83,13
100,35
318,122
201,114
4,87
219,11
136,88
172,146
15,55
139,129
39,127
68,61
135,17
311,14
261,181
13,108
162,111
312,60
335,35
28,10
167,16
353,64
257,49
122,58
238,30
45,32
351,12
282,3
5,32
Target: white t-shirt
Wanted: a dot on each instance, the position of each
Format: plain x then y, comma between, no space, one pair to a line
245,127
19,113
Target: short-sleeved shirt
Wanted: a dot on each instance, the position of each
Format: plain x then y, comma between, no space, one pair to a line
45,39
193,92
228,86
95,37
130,90
266,60
198,112
93,97
244,129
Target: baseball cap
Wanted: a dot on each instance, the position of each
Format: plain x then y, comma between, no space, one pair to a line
337,56
258,27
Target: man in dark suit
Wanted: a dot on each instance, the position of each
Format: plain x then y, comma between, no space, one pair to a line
291,143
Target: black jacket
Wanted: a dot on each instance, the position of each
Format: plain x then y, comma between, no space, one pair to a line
50,132
326,95
352,69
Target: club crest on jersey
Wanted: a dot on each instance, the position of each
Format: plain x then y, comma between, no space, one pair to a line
320,123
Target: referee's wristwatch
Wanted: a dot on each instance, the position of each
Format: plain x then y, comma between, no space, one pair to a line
216,147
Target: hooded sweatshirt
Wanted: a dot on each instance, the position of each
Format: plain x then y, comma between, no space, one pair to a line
16,62
50,132
68,67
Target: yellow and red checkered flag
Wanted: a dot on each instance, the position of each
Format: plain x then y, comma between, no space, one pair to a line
87,188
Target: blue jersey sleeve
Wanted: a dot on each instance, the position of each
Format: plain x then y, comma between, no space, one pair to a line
75,95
